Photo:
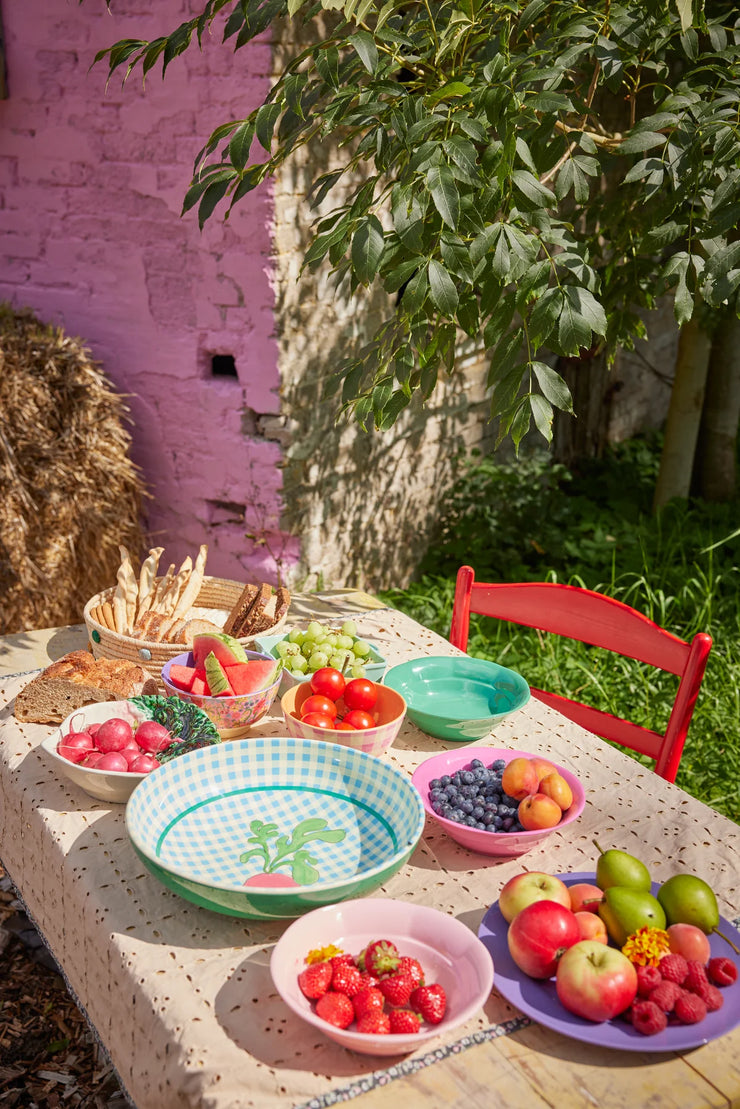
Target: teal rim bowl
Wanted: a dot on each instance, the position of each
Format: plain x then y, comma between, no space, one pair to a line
457,697
271,827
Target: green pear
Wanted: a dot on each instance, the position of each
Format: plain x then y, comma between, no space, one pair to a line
618,868
687,899
624,910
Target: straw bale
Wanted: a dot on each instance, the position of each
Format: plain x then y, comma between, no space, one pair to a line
69,493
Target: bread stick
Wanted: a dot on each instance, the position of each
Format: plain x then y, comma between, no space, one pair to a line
108,620
147,576
190,593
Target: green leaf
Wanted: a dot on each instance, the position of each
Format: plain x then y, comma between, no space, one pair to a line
449,91
441,185
367,51
463,154
367,248
641,140
213,194
442,289
415,292
553,387
683,304
240,144
265,121
542,412
685,13
533,189
392,409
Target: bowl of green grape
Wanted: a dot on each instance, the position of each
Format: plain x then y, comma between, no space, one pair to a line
306,650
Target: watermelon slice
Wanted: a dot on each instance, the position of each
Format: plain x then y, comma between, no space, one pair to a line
226,649
252,676
182,676
200,686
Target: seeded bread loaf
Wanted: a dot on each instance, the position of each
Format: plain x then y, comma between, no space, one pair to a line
78,679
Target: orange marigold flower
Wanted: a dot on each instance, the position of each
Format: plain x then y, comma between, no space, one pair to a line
646,946
323,954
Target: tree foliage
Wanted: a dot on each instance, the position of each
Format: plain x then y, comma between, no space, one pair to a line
524,175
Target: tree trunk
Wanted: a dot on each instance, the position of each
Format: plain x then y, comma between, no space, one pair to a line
715,465
684,415
584,434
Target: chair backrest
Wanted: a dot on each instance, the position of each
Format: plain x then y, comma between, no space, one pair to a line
604,622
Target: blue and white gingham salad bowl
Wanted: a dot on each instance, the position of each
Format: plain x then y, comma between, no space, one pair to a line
271,828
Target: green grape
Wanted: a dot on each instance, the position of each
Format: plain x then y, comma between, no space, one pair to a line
358,671
308,648
281,649
297,664
296,636
338,659
361,648
332,640
317,660
345,641
315,630
349,627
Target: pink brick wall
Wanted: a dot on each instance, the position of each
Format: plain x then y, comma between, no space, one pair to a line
91,187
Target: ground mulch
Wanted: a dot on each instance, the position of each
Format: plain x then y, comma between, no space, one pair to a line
49,1058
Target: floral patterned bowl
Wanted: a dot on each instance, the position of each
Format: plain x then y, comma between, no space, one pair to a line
233,716
271,827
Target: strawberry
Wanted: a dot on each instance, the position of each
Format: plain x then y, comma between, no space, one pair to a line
368,980
336,1009
430,1002
374,1023
367,1000
412,967
315,980
403,1021
346,979
379,957
397,988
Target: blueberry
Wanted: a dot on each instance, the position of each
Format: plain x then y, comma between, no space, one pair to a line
489,816
435,783
467,807
436,794
499,764
445,780
467,777
481,826
508,823
475,763
470,821
478,812
498,822
437,807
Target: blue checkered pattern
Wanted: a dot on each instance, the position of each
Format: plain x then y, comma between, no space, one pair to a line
193,815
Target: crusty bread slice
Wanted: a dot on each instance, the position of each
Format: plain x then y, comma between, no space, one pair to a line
78,679
184,631
236,617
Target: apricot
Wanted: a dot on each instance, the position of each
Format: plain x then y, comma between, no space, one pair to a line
585,898
542,768
539,811
555,786
519,778
592,927
689,941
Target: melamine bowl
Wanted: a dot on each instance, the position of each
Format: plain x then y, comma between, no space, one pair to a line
449,952
491,843
389,711
374,668
457,697
232,716
272,827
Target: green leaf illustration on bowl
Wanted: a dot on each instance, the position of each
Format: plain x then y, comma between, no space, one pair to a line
287,851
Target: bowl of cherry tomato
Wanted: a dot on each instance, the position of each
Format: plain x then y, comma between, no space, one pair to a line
357,713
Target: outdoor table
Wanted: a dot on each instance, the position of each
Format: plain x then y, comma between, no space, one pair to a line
183,1000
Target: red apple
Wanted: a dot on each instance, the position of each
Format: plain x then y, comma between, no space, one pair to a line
524,889
539,935
594,981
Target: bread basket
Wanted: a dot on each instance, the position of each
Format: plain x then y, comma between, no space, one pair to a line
215,601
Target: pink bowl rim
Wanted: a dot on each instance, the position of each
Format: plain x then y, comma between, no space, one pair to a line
421,778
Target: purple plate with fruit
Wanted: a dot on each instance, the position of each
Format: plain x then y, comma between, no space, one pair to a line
537,998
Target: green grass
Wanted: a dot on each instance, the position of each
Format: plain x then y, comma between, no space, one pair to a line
536,521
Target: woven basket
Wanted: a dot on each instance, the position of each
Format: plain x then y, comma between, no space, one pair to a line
215,593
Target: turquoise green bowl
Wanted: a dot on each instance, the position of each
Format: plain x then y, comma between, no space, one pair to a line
457,697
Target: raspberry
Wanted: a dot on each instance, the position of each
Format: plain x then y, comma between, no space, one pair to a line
665,995
710,995
695,976
374,1023
336,1009
403,1020
673,968
647,979
647,1018
722,971
689,1008
367,1000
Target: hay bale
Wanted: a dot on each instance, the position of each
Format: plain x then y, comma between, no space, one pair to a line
69,493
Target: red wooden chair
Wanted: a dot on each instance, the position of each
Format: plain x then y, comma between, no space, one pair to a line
603,622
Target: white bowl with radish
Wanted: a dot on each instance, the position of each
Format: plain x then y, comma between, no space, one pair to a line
109,747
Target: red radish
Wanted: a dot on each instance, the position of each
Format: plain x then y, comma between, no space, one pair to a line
144,764
75,745
131,754
111,760
113,735
152,737
92,760
93,729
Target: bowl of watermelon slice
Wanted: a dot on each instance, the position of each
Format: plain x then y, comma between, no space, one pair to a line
233,686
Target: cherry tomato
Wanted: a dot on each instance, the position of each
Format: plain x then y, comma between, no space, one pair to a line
360,693
318,720
343,726
358,718
328,682
316,703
